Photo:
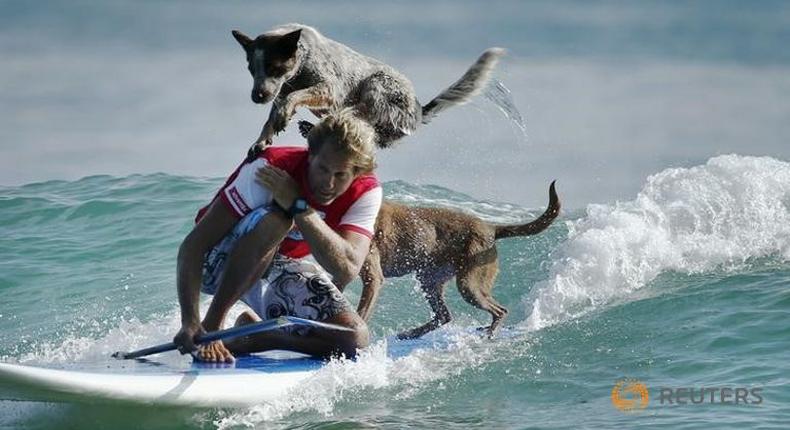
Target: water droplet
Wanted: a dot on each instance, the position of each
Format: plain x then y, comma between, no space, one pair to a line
501,96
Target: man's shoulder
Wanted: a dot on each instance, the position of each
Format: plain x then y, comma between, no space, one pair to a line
285,157
364,183
363,190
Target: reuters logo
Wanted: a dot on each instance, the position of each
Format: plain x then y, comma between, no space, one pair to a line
629,395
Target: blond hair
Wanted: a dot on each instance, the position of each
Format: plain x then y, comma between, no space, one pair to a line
349,134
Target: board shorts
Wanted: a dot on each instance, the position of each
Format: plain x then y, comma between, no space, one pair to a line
289,287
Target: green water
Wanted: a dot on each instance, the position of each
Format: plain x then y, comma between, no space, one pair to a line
88,266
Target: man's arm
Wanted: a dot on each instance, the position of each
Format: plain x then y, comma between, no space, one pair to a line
341,254
214,225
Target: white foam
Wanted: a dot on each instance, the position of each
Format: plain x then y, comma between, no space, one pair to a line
690,220
372,372
448,351
126,335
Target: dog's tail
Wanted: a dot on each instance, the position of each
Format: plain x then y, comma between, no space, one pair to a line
534,227
470,85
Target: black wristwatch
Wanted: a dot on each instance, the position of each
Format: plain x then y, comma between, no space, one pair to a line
297,207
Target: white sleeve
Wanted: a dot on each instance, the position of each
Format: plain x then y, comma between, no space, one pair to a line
361,216
244,194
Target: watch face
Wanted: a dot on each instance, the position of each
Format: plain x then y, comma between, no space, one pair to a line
298,206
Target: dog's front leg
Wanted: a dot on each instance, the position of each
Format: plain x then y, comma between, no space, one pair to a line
265,139
286,108
372,280
315,98
268,132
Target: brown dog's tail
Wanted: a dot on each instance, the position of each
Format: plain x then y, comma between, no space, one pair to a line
534,227
470,85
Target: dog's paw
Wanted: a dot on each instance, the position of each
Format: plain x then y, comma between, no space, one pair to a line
305,127
409,334
254,151
258,146
486,331
404,336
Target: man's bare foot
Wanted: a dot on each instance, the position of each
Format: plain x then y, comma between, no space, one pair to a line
214,352
246,318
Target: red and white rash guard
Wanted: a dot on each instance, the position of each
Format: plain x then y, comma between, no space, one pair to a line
354,210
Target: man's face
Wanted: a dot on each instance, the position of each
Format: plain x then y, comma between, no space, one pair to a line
330,174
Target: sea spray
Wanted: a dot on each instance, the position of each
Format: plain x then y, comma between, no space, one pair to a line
372,373
690,220
502,97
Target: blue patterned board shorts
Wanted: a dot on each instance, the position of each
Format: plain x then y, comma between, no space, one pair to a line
292,287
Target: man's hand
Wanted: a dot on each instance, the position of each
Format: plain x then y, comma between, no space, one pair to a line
283,187
185,338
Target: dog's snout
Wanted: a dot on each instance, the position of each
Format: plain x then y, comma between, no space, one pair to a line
261,95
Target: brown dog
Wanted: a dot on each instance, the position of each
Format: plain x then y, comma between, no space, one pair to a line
439,244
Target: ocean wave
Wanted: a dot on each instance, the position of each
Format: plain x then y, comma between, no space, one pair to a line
436,196
715,216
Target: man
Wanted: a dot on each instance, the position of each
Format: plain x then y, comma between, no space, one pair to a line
275,211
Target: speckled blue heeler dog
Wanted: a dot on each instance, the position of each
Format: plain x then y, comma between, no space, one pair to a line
294,65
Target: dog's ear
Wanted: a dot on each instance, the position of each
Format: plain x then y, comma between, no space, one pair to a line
242,38
288,43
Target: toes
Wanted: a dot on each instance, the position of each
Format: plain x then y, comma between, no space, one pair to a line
214,353
200,355
206,354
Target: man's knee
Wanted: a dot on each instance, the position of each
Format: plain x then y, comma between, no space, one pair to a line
361,336
275,223
357,338
270,231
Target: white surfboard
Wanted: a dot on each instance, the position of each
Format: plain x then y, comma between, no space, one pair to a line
251,380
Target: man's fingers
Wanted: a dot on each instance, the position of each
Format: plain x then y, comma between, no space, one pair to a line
267,182
260,176
269,172
263,176
184,340
270,178
274,171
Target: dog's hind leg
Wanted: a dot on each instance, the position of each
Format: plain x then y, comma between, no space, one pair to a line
434,292
475,284
386,100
